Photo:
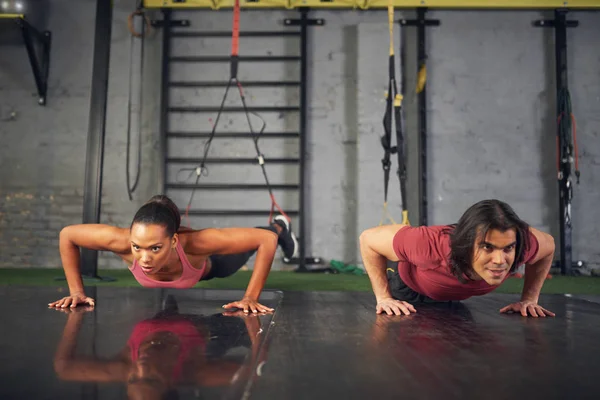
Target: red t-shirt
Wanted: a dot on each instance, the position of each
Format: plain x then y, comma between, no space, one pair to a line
424,263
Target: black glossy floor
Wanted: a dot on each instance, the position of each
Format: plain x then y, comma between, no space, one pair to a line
315,346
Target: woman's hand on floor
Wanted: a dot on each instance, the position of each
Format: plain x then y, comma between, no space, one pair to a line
73,301
248,305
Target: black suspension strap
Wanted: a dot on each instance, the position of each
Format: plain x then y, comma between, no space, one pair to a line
141,35
201,169
393,109
567,154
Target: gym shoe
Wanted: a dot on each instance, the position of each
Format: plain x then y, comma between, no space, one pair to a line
287,240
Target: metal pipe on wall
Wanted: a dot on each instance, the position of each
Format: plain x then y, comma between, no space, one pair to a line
92,193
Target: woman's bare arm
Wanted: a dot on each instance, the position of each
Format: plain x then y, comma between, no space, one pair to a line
68,367
90,236
239,240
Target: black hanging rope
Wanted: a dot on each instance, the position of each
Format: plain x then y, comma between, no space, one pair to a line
134,34
393,109
568,131
201,169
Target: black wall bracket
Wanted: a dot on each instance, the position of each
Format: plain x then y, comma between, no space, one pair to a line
159,23
304,22
94,160
308,22
40,63
421,22
565,147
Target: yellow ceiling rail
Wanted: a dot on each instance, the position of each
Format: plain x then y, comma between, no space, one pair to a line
12,16
370,4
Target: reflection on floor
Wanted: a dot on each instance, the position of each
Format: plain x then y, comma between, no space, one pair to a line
156,343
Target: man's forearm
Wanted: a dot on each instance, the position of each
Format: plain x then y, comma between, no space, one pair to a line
535,275
375,265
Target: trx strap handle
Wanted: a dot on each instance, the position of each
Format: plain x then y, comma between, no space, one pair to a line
235,40
421,77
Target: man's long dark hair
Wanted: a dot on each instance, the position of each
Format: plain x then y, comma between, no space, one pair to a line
475,223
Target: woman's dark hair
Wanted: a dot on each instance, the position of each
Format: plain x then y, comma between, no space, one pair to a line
159,210
475,223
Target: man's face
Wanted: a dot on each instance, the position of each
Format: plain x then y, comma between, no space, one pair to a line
494,255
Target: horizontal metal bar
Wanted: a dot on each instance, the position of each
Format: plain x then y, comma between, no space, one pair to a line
159,23
182,160
235,212
369,4
231,135
417,22
11,16
228,34
544,23
230,186
307,21
198,59
257,109
182,84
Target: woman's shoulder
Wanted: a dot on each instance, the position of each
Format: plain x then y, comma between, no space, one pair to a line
193,239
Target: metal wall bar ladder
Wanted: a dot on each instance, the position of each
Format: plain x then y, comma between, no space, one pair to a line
169,82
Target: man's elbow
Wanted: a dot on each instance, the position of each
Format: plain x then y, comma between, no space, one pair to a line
365,237
549,246
546,249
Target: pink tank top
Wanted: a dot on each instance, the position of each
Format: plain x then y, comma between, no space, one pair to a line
183,329
189,277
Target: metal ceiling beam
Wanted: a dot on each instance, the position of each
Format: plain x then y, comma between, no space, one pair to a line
377,4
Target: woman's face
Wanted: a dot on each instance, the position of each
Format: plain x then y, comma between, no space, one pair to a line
152,374
151,246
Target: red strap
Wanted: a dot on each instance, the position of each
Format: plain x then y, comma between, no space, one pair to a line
235,45
275,205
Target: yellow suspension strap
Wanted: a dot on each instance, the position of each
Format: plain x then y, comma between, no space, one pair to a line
421,77
393,107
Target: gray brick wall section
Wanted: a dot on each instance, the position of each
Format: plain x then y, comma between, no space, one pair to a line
42,149
491,125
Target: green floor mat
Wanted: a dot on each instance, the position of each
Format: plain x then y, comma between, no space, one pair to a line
284,281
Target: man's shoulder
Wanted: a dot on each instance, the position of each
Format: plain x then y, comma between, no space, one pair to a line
424,243
441,228
431,231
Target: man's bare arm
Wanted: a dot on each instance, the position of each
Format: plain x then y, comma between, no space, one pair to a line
537,270
376,247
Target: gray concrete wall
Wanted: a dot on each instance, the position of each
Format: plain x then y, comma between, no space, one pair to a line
491,125
42,151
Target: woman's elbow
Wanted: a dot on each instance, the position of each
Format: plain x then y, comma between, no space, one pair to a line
268,240
65,234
